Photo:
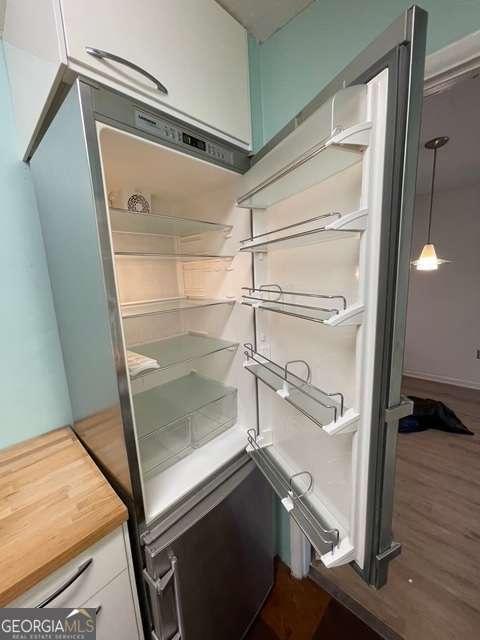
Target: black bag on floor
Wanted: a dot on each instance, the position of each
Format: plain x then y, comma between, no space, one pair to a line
432,414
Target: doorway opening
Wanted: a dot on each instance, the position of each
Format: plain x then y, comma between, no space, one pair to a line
432,589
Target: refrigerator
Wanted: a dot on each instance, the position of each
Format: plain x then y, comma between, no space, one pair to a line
232,326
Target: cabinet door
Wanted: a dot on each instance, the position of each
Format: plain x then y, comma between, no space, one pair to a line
81,577
195,49
35,56
115,610
332,209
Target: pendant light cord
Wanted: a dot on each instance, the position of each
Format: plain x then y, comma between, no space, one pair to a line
431,195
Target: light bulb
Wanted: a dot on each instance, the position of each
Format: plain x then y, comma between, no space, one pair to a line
428,260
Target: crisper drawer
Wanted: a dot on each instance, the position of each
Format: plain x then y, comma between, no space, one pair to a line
179,416
87,573
166,446
208,574
214,418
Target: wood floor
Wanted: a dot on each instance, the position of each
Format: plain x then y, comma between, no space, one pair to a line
433,591
300,610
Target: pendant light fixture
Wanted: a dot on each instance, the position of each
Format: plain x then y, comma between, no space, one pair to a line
428,260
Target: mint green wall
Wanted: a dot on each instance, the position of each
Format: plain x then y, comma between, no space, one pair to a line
289,68
33,389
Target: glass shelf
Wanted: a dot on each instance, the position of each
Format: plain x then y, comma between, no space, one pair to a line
320,407
328,157
163,405
154,307
181,348
179,416
182,257
331,226
151,223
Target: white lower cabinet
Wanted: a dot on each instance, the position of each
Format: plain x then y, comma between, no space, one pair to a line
97,577
115,610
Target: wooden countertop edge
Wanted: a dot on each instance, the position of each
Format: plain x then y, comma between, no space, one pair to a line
22,586
118,516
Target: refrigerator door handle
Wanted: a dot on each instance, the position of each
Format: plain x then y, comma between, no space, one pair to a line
401,410
177,636
160,584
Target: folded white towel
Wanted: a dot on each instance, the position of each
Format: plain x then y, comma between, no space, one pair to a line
138,363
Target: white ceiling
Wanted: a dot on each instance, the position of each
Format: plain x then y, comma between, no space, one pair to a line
454,113
261,18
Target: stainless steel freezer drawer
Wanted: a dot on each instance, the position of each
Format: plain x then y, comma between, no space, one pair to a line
210,572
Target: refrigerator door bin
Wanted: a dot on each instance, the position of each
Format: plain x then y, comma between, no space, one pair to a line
326,410
307,232
272,297
293,491
343,133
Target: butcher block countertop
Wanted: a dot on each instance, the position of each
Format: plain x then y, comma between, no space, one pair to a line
54,504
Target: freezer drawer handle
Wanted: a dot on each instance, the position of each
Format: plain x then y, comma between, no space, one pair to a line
63,587
160,585
105,55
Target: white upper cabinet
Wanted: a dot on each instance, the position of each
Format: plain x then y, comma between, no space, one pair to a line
36,59
194,48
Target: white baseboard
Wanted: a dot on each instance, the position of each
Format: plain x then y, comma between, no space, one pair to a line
457,382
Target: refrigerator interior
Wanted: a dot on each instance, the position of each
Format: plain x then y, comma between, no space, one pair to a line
278,294
178,275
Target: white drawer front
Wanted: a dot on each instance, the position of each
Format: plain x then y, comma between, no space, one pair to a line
108,560
193,47
116,617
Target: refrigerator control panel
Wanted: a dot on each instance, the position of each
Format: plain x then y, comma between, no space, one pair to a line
177,135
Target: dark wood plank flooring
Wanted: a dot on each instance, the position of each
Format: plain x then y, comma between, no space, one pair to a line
300,610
